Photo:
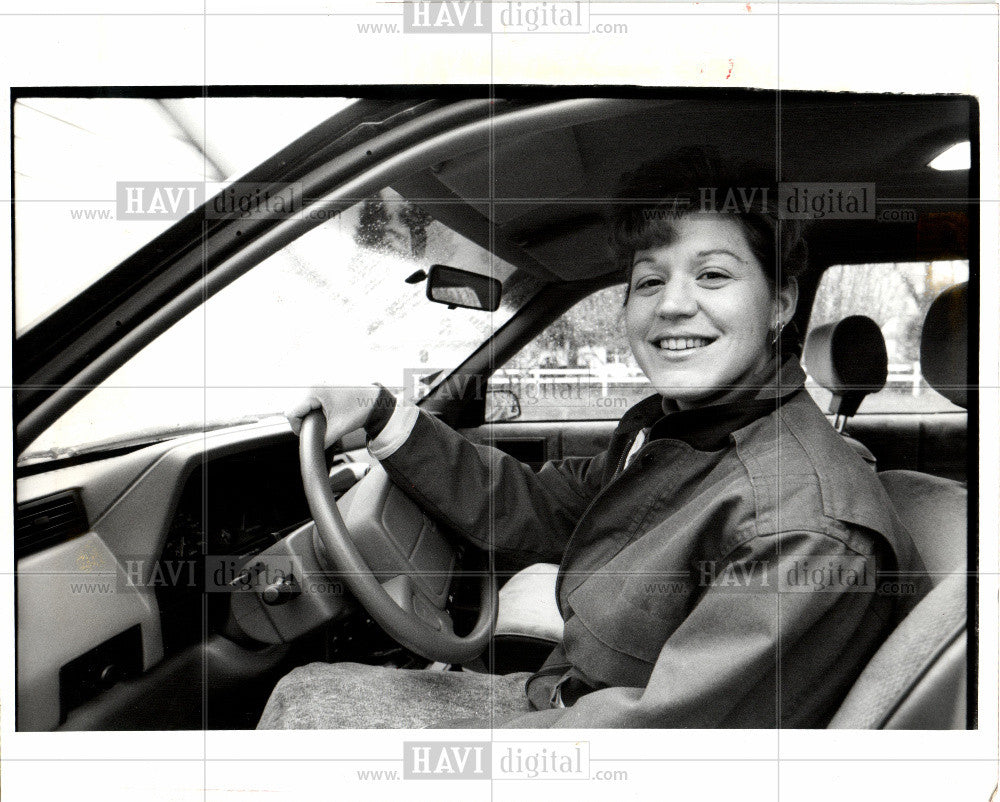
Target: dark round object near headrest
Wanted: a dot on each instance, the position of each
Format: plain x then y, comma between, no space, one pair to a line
848,356
944,344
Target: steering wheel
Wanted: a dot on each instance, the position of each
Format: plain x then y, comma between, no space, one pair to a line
420,624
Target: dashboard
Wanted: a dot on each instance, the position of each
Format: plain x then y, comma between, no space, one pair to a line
231,508
104,607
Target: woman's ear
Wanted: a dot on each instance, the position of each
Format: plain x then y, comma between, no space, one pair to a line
786,301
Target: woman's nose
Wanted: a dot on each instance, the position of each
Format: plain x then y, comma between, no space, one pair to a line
677,299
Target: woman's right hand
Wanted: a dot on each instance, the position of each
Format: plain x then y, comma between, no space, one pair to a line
345,408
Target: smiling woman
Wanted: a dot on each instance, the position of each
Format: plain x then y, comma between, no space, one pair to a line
682,544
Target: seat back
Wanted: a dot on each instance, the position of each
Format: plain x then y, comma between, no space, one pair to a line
917,679
934,512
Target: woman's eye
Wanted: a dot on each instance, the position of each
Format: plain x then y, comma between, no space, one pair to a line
713,278
647,283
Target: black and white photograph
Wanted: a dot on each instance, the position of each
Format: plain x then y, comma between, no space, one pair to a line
506,422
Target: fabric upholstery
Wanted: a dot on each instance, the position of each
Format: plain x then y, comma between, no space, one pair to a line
356,696
916,680
893,691
935,513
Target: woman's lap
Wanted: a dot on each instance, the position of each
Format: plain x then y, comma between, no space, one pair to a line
356,696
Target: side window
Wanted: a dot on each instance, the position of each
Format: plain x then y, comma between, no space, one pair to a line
580,367
896,296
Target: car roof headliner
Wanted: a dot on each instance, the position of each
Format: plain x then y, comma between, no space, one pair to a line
552,191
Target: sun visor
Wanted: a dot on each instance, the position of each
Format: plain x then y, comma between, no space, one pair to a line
581,253
538,166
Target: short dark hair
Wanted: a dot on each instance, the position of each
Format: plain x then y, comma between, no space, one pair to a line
659,192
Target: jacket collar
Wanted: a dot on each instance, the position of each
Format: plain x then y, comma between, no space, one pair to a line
709,427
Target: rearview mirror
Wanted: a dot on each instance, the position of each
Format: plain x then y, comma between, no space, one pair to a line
455,287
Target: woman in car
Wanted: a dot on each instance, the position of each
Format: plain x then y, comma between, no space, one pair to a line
718,560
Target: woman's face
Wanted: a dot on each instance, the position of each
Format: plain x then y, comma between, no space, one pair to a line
700,313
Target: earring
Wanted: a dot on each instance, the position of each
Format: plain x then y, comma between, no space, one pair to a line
777,329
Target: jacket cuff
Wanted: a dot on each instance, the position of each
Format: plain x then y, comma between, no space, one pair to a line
379,414
395,431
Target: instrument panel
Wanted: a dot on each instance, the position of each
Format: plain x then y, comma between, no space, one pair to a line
231,508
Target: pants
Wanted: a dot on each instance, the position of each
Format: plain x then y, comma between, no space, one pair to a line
356,696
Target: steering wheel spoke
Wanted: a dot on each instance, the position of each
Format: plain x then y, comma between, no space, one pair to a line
406,593
399,606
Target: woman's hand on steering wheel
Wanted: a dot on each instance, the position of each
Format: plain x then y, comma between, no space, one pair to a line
345,409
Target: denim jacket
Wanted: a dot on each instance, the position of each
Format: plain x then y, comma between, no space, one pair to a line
732,586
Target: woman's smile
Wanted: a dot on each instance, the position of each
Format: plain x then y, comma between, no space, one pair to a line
682,345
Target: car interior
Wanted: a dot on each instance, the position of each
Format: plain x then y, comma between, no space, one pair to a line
529,175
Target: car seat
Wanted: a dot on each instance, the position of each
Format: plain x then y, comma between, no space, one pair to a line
917,679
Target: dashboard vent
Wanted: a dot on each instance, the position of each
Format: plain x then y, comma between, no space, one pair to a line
48,521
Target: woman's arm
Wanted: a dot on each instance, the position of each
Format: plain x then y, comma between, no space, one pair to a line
484,494
480,492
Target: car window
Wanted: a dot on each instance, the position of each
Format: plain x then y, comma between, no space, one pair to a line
580,367
896,296
72,152
333,307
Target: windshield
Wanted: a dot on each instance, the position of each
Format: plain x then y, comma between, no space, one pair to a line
333,307
70,154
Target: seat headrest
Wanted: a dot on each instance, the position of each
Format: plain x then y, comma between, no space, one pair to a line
944,344
849,359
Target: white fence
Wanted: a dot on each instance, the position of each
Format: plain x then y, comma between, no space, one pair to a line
535,380
623,377
906,373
